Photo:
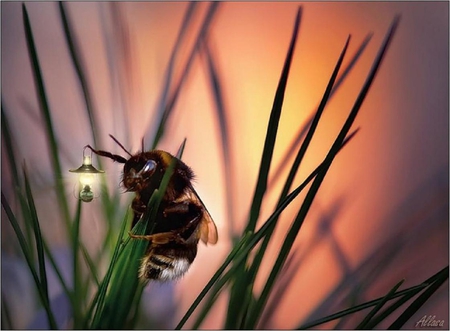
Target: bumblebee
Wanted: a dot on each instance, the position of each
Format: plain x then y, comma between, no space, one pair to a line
182,218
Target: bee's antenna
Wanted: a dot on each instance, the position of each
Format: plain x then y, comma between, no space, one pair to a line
117,142
142,144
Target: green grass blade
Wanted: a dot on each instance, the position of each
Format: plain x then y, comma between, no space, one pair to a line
26,250
293,231
8,139
301,133
415,306
27,253
6,321
244,246
76,60
135,307
407,294
97,302
364,323
240,293
409,291
400,302
221,282
37,236
162,110
389,310
58,273
256,312
91,265
272,129
240,245
365,89
45,111
212,297
221,118
177,88
75,55
123,285
296,164
124,281
240,251
76,309
40,244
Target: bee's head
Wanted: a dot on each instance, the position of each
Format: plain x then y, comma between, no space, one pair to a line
137,172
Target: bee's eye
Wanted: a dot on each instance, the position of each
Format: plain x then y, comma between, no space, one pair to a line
149,166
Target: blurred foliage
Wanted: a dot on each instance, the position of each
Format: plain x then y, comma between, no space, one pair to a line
118,291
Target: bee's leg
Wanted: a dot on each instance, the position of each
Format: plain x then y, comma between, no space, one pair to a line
191,216
179,208
156,238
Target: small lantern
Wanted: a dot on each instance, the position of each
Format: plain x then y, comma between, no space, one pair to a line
87,177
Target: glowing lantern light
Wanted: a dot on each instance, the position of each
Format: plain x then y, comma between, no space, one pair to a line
87,173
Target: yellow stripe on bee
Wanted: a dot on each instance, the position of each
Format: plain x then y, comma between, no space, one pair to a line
165,157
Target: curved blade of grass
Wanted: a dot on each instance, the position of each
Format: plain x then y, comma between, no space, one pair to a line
162,110
254,314
77,62
272,129
124,282
91,265
239,291
123,288
45,111
213,294
415,306
296,141
76,270
389,310
58,273
176,90
101,293
215,84
409,292
74,51
241,251
37,236
8,139
215,277
6,321
380,317
380,304
256,263
296,164
135,307
27,253
120,65
41,246
293,231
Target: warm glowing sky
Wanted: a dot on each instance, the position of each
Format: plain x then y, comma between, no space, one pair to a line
389,184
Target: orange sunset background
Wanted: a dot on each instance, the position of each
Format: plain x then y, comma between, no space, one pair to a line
381,214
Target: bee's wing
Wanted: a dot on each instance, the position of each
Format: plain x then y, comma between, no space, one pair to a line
208,229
